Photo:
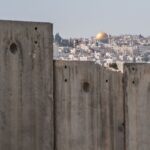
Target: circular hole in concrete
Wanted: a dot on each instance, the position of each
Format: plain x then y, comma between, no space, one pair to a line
65,80
86,87
106,81
35,28
133,68
13,48
35,42
65,67
121,127
133,82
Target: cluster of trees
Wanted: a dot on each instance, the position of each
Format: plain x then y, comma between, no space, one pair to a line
63,42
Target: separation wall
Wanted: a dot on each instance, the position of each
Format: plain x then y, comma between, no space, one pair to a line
94,108
26,86
89,110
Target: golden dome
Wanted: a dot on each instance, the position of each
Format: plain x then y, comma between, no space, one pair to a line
101,36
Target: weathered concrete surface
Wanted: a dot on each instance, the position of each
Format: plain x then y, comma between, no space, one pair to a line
137,100
89,112
26,86
94,109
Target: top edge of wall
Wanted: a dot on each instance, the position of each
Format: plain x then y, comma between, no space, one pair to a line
120,65
66,62
27,22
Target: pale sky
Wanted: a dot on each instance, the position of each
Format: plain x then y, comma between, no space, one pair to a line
83,18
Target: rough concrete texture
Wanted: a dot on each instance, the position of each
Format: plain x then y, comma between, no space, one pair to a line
89,112
137,106
95,108
26,86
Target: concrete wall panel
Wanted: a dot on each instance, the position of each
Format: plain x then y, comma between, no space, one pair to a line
137,100
88,107
26,86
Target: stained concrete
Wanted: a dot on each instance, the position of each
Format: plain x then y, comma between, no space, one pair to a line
137,106
26,86
89,110
94,108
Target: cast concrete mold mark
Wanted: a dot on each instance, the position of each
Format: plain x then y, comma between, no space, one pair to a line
65,67
35,28
35,42
86,87
13,48
121,127
135,81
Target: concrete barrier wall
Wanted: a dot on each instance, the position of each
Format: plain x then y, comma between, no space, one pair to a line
137,106
94,108
26,86
89,110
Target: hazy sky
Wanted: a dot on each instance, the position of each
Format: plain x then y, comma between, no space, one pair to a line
83,18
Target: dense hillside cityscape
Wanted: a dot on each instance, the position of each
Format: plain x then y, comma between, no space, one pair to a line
104,49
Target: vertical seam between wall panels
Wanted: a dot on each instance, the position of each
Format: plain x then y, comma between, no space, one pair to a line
124,106
54,108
